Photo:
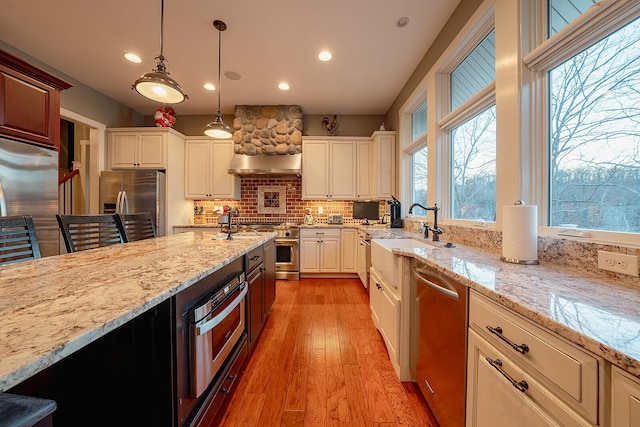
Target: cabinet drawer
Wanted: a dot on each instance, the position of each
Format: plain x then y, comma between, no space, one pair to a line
564,368
320,232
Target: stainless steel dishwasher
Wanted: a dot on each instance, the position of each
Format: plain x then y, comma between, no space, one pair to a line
441,304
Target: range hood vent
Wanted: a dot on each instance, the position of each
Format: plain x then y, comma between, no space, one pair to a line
266,165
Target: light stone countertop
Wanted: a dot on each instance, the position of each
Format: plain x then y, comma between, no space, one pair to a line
52,307
601,315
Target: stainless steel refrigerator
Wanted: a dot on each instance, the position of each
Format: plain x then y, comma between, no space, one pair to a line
29,186
135,191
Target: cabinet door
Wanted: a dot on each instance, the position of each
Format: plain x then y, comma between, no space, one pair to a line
389,320
315,170
269,275
255,295
492,400
625,399
349,244
310,255
222,185
196,181
363,179
123,150
330,255
384,164
29,109
151,151
342,170
362,262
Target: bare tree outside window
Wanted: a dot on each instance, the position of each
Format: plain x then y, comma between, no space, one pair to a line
474,168
594,135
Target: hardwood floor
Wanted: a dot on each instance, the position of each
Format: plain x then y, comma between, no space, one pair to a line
321,362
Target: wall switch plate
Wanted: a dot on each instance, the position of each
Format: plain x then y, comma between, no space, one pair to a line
618,263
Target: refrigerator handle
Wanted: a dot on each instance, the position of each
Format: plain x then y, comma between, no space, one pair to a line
118,202
125,203
3,202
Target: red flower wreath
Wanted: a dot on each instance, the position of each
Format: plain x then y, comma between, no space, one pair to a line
165,117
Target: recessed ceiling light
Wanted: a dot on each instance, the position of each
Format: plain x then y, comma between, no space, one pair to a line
402,22
324,56
209,86
133,57
283,86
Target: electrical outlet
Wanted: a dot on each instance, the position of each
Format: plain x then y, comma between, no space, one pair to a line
319,209
619,263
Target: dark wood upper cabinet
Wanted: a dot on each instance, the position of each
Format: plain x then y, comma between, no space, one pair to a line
29,102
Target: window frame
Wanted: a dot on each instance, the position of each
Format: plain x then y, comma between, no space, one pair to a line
410,146
598,22
469,38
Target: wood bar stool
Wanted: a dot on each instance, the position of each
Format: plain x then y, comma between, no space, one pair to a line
82,232
137,226
18,240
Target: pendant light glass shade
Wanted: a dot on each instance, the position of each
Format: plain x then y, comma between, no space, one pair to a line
157,85
217,128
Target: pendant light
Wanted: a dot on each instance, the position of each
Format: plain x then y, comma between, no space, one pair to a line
217,128
157,85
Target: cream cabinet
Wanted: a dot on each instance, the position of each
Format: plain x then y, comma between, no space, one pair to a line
501,393
144,148
320,250
364,178
383,164
385,312
349,249
625,399
206,170
538,377
329,169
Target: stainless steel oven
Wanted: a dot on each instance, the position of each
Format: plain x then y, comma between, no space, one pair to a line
211,342
288,252
216,326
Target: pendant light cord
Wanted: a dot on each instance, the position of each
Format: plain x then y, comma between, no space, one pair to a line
219,77
162,30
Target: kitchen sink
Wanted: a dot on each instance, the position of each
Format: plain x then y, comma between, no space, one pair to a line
386,262
241,235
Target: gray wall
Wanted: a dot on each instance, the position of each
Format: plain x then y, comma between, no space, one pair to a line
348,125
83,100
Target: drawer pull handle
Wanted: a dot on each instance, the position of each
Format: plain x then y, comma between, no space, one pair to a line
520,385
522,348
228,389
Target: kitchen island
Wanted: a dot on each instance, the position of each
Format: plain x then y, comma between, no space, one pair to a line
54,307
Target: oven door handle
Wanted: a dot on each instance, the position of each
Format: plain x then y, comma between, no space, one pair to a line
205,327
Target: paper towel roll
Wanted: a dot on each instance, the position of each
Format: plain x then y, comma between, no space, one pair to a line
520,234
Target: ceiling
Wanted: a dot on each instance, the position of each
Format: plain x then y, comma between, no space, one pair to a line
266,43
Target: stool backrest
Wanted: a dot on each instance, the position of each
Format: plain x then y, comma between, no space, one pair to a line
82,232
18,240
137,226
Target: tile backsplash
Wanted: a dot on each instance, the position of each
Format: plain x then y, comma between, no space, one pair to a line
295,206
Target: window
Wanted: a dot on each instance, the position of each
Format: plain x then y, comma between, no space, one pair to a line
419,180
594,135
474,168
416,150
473,139
562,12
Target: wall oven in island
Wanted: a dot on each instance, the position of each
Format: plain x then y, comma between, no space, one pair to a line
211,343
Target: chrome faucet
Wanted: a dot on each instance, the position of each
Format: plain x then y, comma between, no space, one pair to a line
435,230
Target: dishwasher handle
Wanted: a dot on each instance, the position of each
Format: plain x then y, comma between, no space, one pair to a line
446,289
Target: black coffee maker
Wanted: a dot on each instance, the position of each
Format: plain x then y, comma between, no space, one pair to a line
396,208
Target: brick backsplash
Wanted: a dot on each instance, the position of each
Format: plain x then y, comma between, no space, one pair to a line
295,206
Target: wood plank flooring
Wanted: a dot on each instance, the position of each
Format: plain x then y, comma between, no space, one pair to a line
321,362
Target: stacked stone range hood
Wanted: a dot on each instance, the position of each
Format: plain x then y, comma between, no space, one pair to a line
267,140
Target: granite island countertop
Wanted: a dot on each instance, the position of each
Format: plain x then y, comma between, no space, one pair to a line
54,306
599,314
